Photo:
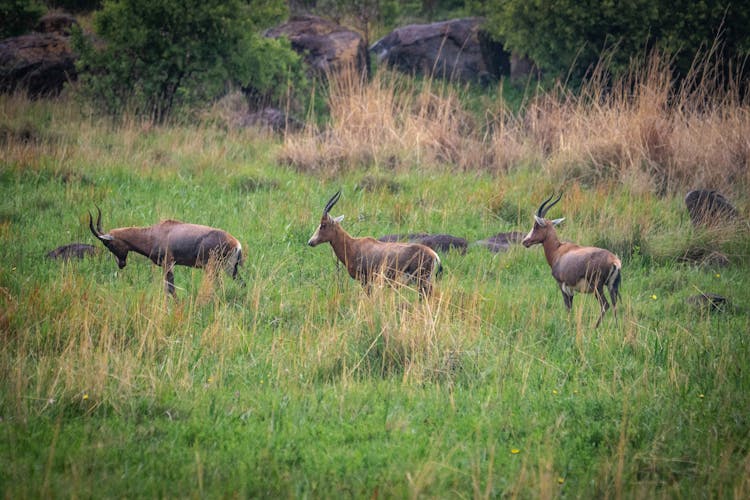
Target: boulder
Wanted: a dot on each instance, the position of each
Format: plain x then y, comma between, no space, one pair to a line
326,46
711,301
390,238
709,208
39,62
438,242
56,22
272,119
501,242
522,68
455,49
72,251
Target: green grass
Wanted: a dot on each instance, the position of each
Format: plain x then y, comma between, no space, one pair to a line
299,384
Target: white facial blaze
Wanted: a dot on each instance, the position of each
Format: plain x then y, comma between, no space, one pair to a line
539,221
314,238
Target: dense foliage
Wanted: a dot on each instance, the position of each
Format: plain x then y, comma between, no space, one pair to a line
158,56
75,5
18,16
570,36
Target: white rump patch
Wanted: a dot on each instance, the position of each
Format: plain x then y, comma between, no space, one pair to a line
234,258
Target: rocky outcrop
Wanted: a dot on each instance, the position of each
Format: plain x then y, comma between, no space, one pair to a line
272,119
438,242
709,208
41,62
56,22
326,46
454,49
72,251
501,242
710,301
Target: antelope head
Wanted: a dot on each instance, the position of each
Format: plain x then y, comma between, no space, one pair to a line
118,247
328,225
542,226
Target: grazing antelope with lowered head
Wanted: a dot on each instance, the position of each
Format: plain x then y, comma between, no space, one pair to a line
171,243
367,258
576,268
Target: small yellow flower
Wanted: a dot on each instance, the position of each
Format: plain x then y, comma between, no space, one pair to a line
85,396
554,391
717,275
515,451
560,480
653,297
210,380
701,396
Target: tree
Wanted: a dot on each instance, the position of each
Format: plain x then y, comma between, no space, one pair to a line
160,55
565,36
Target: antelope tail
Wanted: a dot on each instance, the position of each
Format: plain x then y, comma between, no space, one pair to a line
437,267
613,281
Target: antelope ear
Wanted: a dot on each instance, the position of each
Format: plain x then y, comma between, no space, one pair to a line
539,220
338,219
106,237
557,221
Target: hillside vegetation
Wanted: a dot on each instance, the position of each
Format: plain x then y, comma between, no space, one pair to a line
298,383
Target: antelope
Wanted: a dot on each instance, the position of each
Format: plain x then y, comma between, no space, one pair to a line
367,258
171,243
576,268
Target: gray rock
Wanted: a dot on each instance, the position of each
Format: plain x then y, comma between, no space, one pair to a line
438,242
451,49
272,119
40,63
325,45
711,301
56,22
501,242
709,208
72,251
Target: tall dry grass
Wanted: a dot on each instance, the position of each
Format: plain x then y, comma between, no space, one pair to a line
391,121
643,130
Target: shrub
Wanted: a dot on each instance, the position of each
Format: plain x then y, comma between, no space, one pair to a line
75,5
160,56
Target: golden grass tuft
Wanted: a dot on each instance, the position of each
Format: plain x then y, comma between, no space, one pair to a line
389,122
642,130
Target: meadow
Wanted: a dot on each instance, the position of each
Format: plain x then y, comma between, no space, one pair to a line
298,384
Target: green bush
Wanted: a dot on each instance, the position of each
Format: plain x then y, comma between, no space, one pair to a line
158,56
18,16
570,37
75,5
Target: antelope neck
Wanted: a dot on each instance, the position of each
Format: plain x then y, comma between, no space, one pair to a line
140,240
551,243
342,245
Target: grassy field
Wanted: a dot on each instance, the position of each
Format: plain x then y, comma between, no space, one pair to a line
300,385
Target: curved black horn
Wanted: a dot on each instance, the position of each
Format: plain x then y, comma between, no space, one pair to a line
542,211
98,218
96,231
91,226
332,202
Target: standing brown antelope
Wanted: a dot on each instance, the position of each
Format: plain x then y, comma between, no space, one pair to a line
576,268
171,243
367,258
